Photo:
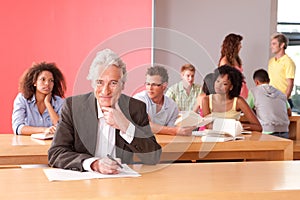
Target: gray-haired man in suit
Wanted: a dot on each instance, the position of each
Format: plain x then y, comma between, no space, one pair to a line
103,122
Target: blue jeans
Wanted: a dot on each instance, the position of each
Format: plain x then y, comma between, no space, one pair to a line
291,103
281,134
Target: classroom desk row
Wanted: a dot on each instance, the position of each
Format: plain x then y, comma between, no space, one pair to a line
17,150
294,127
225,180
256,147
296,154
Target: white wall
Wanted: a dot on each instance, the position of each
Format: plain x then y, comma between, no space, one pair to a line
193,31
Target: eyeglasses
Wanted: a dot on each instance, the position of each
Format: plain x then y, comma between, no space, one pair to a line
111,84
153,84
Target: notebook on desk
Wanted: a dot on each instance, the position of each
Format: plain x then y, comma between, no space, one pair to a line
207,132
42,136
209,135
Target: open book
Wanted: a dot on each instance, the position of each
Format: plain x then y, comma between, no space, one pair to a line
223,130
190,118
42,136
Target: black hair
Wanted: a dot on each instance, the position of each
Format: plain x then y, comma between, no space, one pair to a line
235,76
261,75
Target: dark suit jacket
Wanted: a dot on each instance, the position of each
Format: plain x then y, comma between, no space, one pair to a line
76,134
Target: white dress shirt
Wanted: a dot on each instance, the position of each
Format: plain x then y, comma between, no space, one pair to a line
106,140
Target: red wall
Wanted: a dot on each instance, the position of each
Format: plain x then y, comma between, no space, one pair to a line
64,32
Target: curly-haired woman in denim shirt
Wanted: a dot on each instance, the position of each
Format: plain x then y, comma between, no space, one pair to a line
37,106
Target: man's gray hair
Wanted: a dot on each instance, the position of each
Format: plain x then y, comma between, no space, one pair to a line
160,71
104,59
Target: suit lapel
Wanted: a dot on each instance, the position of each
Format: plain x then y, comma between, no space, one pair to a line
120,144
86,121
124,105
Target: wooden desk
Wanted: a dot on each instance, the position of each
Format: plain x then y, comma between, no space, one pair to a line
297,150
238,180
16,150
256,146
294,127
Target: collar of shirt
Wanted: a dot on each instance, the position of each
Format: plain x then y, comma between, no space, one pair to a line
32,100
165,105
181,88
100,113
280,59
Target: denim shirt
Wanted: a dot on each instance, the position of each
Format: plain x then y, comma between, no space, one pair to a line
26,113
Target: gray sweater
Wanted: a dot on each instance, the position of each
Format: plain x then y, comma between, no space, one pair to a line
271,108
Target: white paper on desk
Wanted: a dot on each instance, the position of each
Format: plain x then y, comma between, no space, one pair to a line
190,118
42,136
220,138
207,132
231,126
55,174
209,135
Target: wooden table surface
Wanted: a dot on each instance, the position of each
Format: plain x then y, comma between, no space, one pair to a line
17,150
294,127
297,150
226,180
256,146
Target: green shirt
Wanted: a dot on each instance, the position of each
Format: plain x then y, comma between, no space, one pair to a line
184,101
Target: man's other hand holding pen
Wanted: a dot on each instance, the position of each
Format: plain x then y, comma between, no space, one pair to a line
107,165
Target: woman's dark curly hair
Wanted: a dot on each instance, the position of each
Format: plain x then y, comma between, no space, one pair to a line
235,76
26,85
230,49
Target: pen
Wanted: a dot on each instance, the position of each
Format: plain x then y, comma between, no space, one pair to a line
110,157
